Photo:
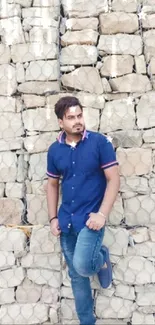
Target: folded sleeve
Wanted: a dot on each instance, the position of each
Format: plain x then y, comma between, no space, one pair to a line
107,153
52,170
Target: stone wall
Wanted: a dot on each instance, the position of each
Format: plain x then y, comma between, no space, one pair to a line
104,53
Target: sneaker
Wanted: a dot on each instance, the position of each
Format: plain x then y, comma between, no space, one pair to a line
105,273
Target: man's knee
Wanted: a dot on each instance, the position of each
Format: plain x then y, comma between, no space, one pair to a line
82,267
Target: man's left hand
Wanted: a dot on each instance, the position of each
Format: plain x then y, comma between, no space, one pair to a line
96,221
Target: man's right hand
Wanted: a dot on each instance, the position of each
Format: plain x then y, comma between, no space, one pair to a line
54,226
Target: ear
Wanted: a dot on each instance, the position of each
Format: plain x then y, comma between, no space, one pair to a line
60,123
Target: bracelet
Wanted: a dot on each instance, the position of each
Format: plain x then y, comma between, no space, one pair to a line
102,214
53,219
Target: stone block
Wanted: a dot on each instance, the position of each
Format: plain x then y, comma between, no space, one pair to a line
37,209
140,234
7,104
117,212
10,125
42,261
78,55
149,45
7,296
40,119
5,54
146,249
47,35
121,5
116,240
140,64
42,70
12,31
114,23
7,260
134,184
131,83
113,307
78,9
145,112
140,318
2,188
117,65
134,161
33,51
11,210
8,166
28,292
43,276
125,292
8,83
85,36
39,87
41,12
120,44
12,277
82,23
46,3
43,242
13,240
127,139
117,114
33,101
68,309
40,143
15,190
139,210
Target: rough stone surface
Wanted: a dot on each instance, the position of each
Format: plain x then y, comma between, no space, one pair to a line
38,87
125,292
84,9
37,209
39,143
140,234
49,295
32,52
44,13
28,292
116,240
127,139
116,65
15,190
145,111
33,101
140,210
41,277
12,277
140,64
113,307
5,54
117,115
10,125
12,240
7,260
140,318
85,36
135,161
42,241
40,119
82,23
78,55
85,79
12,31
120,44
68,309
149,46
146,249
7,296
40,35
114,23
8,104
121,5
11,210
130,83
42,71
2,188
23,314
50,261
8,83
117,212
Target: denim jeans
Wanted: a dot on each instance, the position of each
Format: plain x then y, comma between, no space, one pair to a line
83,257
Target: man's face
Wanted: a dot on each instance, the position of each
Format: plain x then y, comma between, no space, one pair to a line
73,121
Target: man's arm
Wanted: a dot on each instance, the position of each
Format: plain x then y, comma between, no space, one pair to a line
52,203
97,220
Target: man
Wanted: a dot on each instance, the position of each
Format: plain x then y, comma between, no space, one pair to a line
87,164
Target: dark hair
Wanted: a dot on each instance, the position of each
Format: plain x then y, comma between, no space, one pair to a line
64,104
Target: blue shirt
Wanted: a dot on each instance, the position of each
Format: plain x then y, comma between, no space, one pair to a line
82,172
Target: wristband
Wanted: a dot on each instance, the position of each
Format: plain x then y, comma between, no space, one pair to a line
52,219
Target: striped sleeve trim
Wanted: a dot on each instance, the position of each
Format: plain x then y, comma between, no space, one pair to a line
52,175
112,163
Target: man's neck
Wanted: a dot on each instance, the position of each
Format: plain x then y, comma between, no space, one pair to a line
73,138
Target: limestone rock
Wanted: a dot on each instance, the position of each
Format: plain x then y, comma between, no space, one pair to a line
38,187
152,233
82,23
120,44
39,276
149,21
40,143
20,72
49,295
117,114
131,83
23,314
91,117
15,190
43,242
9,10
33,101
134,270
116,22
134,161
116,240
149,46
8,83
8,166
41,12
146,249
149,136
117,212
42,70
78,55
140,210
117,65
48,261
85,79
7,296
46,22
32,52
37,169
125,292
37,209
127,139
145,111
140,318
11,210
140,234
12,31
127,6
81,9
151,67
140,64
7,260
2,188
28,292
66,292
68,309
5,54
47,35
53,316
39,87
113,307
91,100
46,3
12,277
23,3
85,36
146,299
10,125
12,240
8,104
40,119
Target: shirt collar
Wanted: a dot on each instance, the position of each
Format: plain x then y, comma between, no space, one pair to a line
62,136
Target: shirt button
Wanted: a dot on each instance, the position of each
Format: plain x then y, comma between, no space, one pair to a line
73,162
72,214
74,175
69,225
72,187
72,201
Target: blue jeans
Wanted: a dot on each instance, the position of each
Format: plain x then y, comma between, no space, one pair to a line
83,257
